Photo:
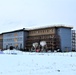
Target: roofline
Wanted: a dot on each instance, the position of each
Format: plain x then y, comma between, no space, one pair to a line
39,28
54,26
15,31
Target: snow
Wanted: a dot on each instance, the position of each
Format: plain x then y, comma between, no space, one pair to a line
14,51
27,63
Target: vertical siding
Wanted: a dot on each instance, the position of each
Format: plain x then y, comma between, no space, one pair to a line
21,39
8,36
65,37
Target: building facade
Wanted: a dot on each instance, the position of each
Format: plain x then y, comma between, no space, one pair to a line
44,34
15,39
56,38
65,38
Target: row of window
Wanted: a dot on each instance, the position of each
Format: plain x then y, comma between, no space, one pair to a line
43,37
15,45
42,31
13,34
73,34
13,39
73,44
73,41
73,31
10,44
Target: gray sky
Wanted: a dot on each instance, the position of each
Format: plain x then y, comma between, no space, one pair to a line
17,14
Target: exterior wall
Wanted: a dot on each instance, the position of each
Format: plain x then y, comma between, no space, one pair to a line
42,31
65,38
15,39
55,37
1,41
48,35
53,41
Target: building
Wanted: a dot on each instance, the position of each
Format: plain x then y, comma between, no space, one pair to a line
73,40
1,41
16,38
44,34
65,38
56,38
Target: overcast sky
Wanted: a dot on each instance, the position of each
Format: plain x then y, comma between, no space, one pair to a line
17,14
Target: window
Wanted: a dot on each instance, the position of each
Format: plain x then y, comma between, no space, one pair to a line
52,30
43,31
9,34
15,40
50,36
16,45
37,32
15,34
33,32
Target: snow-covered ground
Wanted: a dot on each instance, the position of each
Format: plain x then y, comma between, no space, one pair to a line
37,63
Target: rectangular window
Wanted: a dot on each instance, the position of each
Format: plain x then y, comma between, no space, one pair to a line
15,40
15,34
52,30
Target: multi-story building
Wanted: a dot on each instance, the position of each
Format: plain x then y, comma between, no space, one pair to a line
16,38
56,37
65,38
1,41
73,40
47,34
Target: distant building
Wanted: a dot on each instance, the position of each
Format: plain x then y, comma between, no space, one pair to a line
16,38
1,41
73,40
56,37
65,38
